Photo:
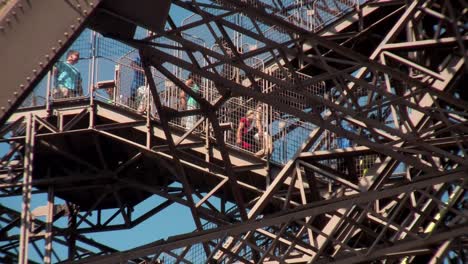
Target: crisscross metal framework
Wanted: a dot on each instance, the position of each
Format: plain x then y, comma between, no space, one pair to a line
364,107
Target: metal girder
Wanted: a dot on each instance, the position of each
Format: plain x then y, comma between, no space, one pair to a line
300,212
12,215
398,28
377,212
103,173
375,128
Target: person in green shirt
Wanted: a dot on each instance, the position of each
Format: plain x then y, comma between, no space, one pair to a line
189,103
68,82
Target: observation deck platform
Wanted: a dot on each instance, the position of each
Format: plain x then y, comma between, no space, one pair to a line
73,155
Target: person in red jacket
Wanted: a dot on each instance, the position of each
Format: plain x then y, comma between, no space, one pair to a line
246,132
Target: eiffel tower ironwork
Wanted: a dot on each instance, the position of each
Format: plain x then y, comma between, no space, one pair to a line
322,131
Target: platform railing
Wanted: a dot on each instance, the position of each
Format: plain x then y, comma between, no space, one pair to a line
324,12
121,82
105,60
312,15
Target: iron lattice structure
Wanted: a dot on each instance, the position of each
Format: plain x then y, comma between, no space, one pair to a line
362,104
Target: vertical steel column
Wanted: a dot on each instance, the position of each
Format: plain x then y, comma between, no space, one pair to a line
358,9
27,179
208,147
48,92
49,221
71,239
92,80
149,128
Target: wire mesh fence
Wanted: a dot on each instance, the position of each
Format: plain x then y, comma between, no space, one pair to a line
249,125
112,72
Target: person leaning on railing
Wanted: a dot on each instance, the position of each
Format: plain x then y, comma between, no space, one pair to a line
68,82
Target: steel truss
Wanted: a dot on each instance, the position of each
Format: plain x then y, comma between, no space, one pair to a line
393,73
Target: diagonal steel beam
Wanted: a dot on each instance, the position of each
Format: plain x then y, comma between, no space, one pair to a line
170,141
300,212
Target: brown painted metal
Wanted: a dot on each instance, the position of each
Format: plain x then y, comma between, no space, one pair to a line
326,203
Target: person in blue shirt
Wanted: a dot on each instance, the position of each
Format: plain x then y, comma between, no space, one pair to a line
68,82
